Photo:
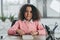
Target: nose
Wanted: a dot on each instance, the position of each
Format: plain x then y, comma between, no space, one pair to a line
28,13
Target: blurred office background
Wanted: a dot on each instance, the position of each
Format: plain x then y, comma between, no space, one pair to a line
49,9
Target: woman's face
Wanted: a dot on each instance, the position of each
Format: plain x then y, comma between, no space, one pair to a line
28,13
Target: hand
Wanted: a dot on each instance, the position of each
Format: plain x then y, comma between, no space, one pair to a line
34,33
20,32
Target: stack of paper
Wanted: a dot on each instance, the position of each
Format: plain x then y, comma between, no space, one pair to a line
27,37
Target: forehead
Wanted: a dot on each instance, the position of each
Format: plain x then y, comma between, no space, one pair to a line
28,8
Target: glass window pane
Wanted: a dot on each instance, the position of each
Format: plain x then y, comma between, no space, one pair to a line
53,8
11,7
38,4
12,1
0,7
23,1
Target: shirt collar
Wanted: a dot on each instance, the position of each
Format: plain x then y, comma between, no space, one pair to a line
29,21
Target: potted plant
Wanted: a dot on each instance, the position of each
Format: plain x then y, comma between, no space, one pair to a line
3,18
11,18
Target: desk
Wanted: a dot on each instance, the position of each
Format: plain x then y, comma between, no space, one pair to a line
20,38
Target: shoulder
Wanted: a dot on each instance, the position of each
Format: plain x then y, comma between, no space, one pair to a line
18,21
38,22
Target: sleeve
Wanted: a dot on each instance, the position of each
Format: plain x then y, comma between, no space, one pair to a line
13,29
41,29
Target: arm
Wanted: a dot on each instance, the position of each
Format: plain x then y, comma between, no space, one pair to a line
12,30
41,29
20,32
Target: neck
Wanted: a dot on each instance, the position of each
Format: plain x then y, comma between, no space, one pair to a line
27,20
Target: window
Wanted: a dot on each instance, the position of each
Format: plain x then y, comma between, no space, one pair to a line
0,7
11,7
48,8
53,8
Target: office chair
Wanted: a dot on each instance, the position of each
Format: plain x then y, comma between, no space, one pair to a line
50,32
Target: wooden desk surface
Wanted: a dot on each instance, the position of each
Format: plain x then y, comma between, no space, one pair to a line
20,38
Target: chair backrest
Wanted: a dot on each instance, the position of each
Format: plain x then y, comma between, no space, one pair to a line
47,29
13,23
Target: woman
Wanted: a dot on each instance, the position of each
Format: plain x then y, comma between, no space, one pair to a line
29,17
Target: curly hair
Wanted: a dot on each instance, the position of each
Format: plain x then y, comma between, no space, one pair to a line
35,13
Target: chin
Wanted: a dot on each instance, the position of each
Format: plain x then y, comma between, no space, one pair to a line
29,19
